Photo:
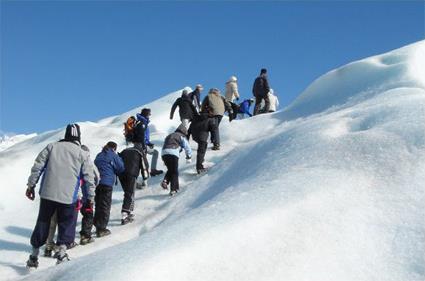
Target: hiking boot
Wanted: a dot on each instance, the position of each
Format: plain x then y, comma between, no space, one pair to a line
84,240
201,170
164,184
102,232
127,219
71,245
61,259
216,147
32,262
155,172
48,252
173,192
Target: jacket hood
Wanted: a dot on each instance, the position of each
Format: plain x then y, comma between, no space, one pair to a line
181,129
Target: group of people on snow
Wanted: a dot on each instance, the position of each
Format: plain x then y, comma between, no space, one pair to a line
71,183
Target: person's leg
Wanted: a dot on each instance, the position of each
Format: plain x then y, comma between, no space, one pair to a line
174,173
66,229
267,104
128,185
185,122
202,149
215,134
257,105
41,230
103,201
50,244
74,229
86,223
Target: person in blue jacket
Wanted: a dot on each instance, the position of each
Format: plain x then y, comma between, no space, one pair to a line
147,145
109,165
244,108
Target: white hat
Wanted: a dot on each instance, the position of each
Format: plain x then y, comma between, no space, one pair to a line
233,79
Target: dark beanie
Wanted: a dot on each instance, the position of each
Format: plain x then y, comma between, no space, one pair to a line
263,71
73,133
146,112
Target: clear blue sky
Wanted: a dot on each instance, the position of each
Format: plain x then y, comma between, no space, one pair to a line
70,61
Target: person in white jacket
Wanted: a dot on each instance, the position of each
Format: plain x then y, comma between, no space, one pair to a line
231,92
274,102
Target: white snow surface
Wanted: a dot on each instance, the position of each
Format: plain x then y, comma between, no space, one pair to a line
330,188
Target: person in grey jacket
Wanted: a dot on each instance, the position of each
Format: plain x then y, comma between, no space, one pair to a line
173,144
62,164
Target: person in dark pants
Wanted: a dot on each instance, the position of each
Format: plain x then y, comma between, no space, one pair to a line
109,165
134,164
173,143
199,129
215,105
87,209
260,89
186,109
61,164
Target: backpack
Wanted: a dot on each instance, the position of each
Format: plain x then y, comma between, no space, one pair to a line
129,126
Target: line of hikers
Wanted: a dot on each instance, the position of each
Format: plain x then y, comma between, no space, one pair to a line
71,183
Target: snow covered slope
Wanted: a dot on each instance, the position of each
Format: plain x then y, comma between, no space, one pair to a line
331,188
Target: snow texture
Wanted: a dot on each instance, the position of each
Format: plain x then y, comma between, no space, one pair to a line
330,188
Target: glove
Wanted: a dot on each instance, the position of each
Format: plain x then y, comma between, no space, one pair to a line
88,207
78,205
188,160
30,193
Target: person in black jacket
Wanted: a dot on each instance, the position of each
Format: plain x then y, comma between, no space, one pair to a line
134,163
260,89
199,129
186,109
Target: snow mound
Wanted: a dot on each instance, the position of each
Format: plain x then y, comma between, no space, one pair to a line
331,188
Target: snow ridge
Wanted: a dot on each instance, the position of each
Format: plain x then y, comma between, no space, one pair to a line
330,188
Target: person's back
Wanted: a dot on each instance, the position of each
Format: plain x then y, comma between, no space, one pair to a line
200,127
186,108
274,101
62,168
214,103
133,161
109,165
231,92
195,96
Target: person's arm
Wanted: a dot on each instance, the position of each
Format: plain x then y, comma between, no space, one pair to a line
39,166
266,85
227,105
147,136
205,104
173,108
118,164
185,145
